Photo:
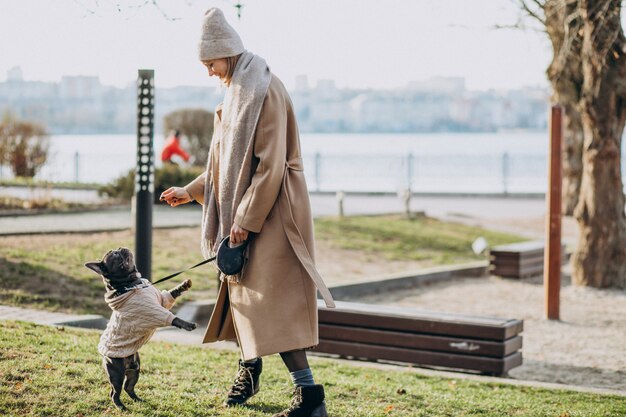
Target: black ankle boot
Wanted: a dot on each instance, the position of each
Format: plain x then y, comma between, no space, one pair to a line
246,383
308,401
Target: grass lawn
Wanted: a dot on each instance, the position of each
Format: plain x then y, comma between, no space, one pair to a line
47,371
47,272
395,237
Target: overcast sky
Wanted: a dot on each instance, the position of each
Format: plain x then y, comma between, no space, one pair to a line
357,43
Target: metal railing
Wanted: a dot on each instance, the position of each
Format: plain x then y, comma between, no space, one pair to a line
431,173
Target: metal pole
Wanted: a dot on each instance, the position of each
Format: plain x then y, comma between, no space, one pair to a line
144,175
505,172
318,163
409,172
76,162
552,251
340,197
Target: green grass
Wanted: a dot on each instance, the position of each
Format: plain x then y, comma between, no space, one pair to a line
46,271
398,238
47,371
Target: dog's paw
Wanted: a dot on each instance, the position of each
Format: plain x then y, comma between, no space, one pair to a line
182,324
190,326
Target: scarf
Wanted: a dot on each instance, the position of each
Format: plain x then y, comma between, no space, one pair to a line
240,114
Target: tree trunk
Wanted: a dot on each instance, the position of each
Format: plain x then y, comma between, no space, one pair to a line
572,158
600,258
563,25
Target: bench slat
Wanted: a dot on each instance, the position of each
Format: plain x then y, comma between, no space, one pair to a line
450,360
528,263
466,346
403,319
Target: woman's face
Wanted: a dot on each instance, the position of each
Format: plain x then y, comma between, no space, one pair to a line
217,67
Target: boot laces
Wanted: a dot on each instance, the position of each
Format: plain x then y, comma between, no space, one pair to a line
243,381
296,401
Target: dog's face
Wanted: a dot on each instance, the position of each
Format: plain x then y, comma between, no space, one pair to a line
116,264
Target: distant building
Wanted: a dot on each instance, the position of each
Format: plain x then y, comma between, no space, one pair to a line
81,104
15,74
446,85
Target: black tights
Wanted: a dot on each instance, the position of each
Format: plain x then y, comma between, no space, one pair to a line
295,360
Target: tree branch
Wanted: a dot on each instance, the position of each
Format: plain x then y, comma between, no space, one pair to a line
533,13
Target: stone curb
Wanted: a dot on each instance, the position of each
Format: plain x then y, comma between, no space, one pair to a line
89,321
96,230
408,280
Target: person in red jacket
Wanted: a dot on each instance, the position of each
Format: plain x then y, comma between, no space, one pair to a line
172,147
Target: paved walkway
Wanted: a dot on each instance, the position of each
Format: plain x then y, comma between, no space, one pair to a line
460,208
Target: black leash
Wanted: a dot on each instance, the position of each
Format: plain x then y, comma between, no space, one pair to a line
185,270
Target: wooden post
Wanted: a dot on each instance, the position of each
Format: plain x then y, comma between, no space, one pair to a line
340,197
552,251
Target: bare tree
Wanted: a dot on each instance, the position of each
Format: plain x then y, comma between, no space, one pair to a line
561,21
196,128
600,258
588,75
23,145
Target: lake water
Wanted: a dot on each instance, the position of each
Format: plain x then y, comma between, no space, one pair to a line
512,162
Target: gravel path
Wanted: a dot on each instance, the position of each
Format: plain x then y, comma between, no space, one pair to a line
586,347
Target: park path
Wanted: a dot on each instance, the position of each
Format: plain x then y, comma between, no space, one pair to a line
500,212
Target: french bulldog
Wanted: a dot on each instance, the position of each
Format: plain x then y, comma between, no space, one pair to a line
138,310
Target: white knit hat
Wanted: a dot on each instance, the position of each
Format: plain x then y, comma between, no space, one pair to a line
218,39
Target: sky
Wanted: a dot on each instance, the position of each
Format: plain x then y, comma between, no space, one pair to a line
357,43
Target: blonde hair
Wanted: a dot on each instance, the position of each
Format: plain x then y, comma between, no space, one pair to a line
231,63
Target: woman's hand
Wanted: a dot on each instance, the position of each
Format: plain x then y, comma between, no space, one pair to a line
175,196
238,234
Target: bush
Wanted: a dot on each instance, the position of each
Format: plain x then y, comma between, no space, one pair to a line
165,177
37,203
23,145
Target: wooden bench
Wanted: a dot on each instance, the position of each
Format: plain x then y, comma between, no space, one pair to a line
518,260
373,332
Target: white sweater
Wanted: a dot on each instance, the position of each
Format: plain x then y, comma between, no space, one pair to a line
136,315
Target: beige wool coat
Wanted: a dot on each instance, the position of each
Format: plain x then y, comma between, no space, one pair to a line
274,307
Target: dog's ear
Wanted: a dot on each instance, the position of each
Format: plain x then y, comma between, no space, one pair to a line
97,267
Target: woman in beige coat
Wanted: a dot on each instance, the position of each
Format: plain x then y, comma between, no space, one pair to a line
254,190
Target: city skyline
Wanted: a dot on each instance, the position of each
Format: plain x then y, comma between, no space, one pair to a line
432,82
82,104
359,44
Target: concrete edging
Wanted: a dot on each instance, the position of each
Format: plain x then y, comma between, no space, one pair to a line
408,280
89,321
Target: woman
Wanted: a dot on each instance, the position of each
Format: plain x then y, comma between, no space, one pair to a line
254,189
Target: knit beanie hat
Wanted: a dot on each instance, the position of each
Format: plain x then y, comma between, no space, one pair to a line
218,39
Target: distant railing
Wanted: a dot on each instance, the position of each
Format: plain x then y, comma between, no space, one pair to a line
431,173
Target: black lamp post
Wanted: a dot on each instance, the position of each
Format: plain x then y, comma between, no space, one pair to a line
144,175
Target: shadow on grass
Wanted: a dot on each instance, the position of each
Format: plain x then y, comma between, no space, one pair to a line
29,285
